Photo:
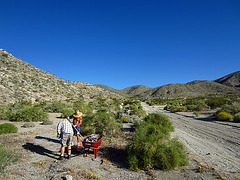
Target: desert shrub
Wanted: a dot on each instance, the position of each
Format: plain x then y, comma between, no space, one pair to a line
126,119
224,116
170,155
67,112
19,105
101,123
151,146
167,107
28,124
47,122
182,109
119,116
196,113
196,104
3,112
237,117
82,107
215,102
231,109
138,111
28,115
174,109
191,107
161,120
7,128
106,123
55,106
7,157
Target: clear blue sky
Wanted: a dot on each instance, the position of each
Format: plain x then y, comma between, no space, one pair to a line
122,43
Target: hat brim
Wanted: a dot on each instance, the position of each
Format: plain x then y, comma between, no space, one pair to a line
77,115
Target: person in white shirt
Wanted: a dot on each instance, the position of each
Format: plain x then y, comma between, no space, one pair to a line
65,131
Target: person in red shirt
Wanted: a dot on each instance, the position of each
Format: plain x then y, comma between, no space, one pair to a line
77,121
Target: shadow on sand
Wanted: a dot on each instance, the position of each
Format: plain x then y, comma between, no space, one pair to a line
40,150
48,139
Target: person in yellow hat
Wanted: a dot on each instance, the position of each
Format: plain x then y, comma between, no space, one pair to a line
77,121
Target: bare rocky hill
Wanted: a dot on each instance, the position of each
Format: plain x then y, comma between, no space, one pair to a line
232,80
20,80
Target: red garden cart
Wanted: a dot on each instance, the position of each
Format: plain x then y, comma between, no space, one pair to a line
91,144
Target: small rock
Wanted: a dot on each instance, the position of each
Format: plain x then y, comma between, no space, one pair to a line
68,177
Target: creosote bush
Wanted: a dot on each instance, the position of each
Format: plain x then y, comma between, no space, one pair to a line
28,115
224,116
237,117
47,122
7,157
151,145
7,128
28,124
67,112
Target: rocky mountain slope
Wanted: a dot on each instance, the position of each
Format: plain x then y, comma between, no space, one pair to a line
134,90
192,89
232,80
22,81
224,86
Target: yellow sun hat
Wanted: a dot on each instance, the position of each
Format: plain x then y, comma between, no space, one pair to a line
77,114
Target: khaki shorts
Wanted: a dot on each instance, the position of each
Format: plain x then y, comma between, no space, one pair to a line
66,139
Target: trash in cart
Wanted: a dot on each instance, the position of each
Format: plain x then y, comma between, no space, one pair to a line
91,144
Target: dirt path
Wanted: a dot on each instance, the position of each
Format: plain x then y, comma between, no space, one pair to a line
214,144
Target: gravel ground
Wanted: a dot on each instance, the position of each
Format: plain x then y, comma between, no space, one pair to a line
215,145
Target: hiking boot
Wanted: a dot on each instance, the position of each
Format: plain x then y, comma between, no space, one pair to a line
60,158
69,157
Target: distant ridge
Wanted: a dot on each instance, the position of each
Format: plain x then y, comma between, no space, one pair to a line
135,90
231,80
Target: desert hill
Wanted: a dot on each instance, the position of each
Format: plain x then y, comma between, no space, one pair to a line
20,80
231,80
191,89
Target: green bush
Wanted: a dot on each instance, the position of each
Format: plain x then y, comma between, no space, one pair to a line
224,116
215,102
151,145
174,109
101,123
84,108
160,120
231,109
7,128
28,115
167,107
126,119
170,155
196,113
47,122
237,117
66,113
28,124
7,157
55,106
